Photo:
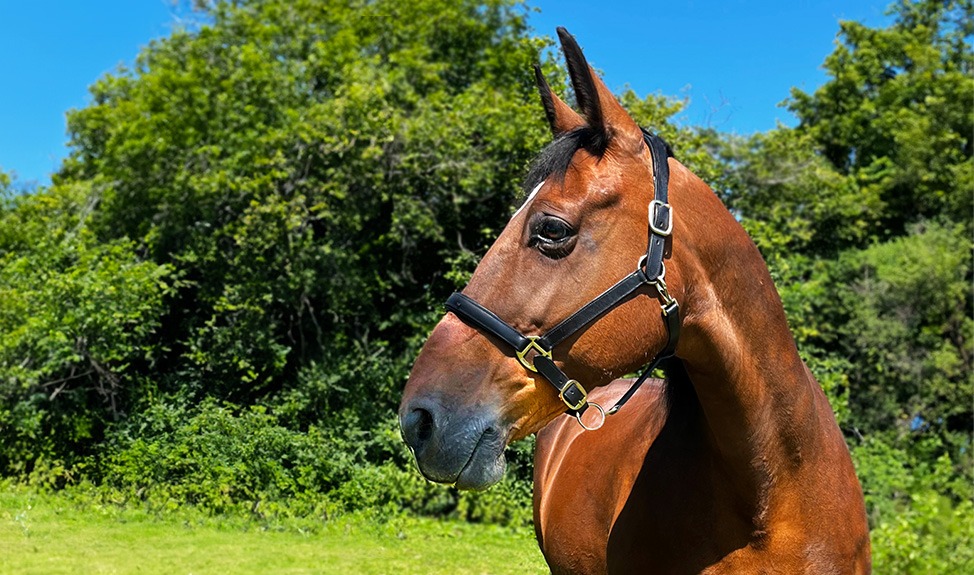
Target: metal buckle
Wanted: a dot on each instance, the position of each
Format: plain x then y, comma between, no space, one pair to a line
581,402
665,231
532,343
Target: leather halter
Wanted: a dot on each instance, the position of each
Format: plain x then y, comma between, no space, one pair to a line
649,271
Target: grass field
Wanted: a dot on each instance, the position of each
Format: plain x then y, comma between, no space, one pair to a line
50,534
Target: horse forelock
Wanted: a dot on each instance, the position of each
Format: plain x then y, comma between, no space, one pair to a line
554,159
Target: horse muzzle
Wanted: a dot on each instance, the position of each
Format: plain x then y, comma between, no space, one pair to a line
452,447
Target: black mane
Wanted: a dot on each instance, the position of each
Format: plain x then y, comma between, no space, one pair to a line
554,159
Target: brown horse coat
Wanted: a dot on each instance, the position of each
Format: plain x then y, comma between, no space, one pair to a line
734,464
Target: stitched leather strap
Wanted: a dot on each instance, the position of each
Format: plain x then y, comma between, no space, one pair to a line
569,390
477,315
594,309
662,218
671,315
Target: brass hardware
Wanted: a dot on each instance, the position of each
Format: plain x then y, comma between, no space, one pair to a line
581,402
664,294
532,344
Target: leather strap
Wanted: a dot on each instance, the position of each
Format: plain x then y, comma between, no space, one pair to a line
671,315
477,315
660,218
593,310
569,390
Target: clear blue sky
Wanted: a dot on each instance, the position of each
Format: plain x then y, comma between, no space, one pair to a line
734,59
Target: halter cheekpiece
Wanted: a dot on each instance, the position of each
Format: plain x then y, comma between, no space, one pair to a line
535,352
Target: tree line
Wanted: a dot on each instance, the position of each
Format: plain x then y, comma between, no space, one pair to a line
217,300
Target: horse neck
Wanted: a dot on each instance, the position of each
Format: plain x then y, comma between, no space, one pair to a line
758,399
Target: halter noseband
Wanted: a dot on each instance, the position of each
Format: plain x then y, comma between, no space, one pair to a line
649,271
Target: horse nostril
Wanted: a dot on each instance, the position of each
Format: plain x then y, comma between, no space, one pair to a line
425,428
417,427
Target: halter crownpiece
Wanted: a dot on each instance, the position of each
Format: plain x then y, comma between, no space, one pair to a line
535,352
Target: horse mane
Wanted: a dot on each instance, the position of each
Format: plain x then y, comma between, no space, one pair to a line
554,159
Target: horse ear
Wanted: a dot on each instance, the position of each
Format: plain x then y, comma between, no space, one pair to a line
599,106
561,117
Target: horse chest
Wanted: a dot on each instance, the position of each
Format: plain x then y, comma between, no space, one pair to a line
642,495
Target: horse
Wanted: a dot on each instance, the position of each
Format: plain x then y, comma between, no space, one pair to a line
733,463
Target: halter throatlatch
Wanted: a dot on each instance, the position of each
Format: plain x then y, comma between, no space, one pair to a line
535,352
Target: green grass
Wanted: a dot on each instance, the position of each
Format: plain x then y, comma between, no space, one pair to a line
51,534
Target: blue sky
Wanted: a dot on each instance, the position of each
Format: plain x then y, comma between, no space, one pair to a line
734,59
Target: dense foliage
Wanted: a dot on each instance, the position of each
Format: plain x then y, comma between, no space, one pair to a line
218,299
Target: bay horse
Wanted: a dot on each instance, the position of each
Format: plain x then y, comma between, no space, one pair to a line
733,464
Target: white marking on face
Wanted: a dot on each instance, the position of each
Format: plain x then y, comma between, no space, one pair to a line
529,198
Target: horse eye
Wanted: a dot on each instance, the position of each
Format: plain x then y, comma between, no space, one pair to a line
554,230
553,237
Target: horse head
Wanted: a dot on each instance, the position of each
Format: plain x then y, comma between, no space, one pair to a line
581,229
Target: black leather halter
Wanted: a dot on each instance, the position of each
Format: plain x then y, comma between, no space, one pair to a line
649,271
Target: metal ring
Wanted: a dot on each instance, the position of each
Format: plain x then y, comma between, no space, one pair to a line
641,266
578,416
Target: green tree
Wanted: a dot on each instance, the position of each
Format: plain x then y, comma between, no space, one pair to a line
896,115
308,167
909,334
863,212
317,176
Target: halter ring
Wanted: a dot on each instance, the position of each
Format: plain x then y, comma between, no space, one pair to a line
641,265
601,420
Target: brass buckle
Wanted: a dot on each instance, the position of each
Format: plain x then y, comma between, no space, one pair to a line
581,402
532,343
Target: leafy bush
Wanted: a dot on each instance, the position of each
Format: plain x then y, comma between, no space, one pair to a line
217,457
77,318
920,512
910,331
229,460
932,535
